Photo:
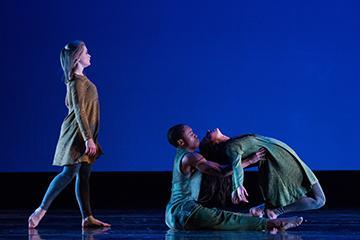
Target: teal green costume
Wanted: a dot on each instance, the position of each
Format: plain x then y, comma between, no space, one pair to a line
184,213
284,177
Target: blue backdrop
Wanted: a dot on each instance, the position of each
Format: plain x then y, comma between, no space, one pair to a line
285,69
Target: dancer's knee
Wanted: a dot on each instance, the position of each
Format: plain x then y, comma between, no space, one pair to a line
67,177
319,195
68,173
321,202
84,172
82,177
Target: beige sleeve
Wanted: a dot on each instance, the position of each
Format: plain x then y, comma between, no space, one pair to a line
78,96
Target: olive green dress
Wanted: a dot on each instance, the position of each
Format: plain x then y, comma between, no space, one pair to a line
284,177
81,123
183,212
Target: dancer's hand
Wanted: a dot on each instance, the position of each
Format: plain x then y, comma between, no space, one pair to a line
234,198
259,155
242,194
239,195
90,147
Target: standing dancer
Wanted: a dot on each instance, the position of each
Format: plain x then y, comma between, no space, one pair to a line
286,182
77,148
183,212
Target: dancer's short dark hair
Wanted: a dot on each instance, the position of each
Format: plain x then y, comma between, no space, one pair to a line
175,133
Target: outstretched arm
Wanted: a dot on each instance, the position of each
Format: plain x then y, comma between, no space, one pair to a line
254,159
245,163
196,160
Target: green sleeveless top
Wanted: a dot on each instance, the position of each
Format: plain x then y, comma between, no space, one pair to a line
184,194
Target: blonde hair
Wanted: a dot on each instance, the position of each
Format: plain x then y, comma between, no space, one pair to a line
69,57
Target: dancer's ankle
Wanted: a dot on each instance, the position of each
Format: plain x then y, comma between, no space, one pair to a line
41,209
88,218
274,213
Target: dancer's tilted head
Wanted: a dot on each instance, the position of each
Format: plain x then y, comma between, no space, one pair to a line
214,136
210,145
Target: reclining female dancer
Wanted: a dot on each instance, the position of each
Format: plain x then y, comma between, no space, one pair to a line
183,212
286,182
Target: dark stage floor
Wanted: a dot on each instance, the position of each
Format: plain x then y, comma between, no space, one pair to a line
323,224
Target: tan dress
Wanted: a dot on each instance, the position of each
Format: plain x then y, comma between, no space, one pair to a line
81,123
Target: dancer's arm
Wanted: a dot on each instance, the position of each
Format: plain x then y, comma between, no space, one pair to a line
254,159
234,154
78,96
77,90
245,163
196,160
238,171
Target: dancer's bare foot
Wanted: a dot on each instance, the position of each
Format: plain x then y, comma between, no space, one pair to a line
91,222
271,214
257,211
283,224
36,217
89,232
